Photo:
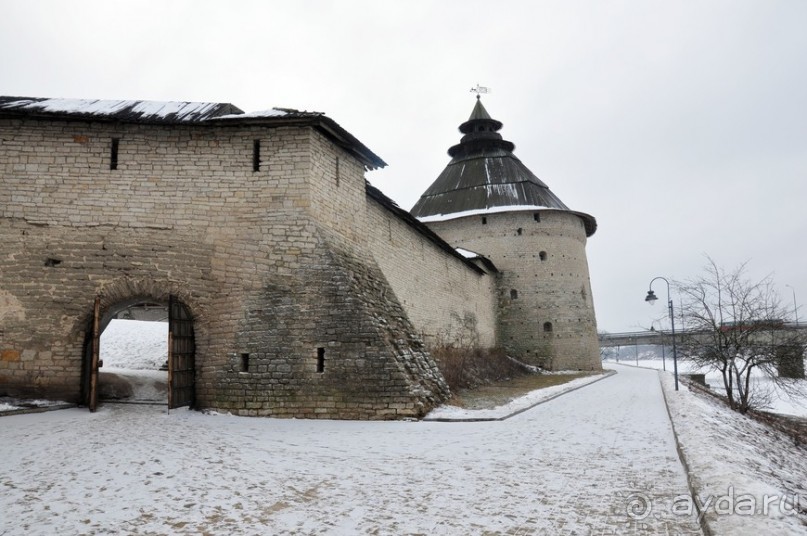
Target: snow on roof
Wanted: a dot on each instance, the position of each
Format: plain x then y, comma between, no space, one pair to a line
174,111
482,211
468,254
273,112
170,112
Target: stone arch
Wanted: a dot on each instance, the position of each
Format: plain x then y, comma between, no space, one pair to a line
123,293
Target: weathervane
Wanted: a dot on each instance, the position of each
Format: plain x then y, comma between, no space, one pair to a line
479,90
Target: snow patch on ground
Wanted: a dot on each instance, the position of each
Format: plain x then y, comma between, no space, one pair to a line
447,412
753,478
14,404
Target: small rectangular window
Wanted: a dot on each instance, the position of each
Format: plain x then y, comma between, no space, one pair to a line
113,155
484,220
320,360
537,216
244,362
256,155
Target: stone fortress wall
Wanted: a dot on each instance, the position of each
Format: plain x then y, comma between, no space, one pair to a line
545,308
448,302
272,264
311,293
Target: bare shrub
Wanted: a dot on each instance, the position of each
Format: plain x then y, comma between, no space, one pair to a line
467,368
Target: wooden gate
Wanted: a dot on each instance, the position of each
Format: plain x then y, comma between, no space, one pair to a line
181,351
95,350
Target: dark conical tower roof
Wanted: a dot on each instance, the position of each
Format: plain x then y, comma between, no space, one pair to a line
485,176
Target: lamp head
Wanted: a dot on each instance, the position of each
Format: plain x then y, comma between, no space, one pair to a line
651,297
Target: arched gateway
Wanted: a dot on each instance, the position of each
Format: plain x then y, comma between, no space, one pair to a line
181,346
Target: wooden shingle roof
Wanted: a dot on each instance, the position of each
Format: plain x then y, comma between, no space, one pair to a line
485,176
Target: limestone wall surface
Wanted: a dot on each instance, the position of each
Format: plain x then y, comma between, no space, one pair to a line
546,313
258,258
446,300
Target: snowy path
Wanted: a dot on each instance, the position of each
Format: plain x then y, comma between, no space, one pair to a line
567,466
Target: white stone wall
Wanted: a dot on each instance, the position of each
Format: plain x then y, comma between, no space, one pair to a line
447,301
183,212
544,279
338,191
270,263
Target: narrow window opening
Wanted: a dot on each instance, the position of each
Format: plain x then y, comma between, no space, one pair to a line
537,216
519,230
52,262
337,171
244,362
513,294
256,155
320,360
542,255
548,327
113,154
484,220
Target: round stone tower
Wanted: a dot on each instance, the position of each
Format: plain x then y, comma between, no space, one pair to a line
488,202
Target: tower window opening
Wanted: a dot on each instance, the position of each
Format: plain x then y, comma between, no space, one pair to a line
513,294
519,230
244,362
548,327
542,255
320,360
537,216
484,220
338,178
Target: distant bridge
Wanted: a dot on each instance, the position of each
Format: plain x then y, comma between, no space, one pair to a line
631,338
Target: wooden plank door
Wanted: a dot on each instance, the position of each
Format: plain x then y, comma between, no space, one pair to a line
181,352
92,398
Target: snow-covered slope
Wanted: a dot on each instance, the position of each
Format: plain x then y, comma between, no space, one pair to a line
134,344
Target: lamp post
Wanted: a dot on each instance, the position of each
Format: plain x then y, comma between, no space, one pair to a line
651,299
795,307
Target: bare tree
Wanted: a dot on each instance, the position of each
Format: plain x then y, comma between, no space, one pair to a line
737,327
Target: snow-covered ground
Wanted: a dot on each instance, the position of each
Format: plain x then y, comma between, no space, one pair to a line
781,402
576,464
132,352
751,479
134,345
447,412
600,459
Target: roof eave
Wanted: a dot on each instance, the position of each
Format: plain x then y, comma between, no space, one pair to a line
330,128
421,228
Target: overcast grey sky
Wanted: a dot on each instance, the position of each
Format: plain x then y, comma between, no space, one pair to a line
681,126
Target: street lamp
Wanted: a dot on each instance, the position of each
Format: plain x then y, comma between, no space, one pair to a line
651,299
795,307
